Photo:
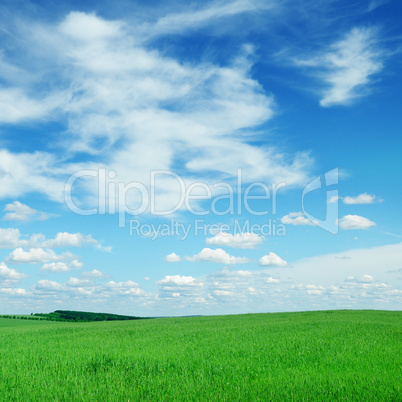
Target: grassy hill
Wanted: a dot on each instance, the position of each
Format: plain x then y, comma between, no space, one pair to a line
333,355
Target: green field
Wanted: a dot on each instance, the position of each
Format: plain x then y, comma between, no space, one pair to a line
353,355
7,322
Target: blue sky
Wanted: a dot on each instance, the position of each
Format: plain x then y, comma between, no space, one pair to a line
215,157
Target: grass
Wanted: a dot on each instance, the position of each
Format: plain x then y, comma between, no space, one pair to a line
7,322
335,355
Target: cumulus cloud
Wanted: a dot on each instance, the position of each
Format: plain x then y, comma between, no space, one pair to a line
172,258
272,259
319,282
349,222
12,238
15,292
78,283
65,239
94,274
37,256
348,66
7,273
177,280
16,211
59,267
218,255
310,289
272,280
296,218
238,240
178,286
55,267
46,285
360,279
361,199
85,288
128,288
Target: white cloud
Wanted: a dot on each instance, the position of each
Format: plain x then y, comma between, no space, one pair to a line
17,106
61,266
218,255
272,260
350,222
172,258
272,280
45,285
37,256
112,90
171,280
24,173
361,199
88,27
90,291
373,4
16,211
9,273
56,267
348,66
12,238
213,12
128,288
65,239
334,199
77,283
238,240
15,292
325,282
332,268
360,279
94,274
179,287
296,218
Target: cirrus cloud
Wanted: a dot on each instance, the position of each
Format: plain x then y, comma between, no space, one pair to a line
347,67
